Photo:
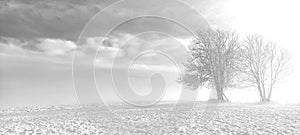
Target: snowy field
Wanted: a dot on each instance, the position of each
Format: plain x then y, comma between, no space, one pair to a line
227,119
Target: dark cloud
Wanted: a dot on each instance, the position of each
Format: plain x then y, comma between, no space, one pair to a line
64,19
131,16
47,19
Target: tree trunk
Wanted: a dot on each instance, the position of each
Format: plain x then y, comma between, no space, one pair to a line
264,99
260,94
270,93
220,94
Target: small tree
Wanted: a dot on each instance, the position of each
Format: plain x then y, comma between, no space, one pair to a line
264,65
214,59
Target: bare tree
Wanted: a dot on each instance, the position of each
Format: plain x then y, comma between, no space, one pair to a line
214,60
264,65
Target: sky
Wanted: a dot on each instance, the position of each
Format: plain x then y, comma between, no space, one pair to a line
51,51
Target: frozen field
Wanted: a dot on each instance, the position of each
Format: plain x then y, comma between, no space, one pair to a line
228,119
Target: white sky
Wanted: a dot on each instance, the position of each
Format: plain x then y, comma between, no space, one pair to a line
277,20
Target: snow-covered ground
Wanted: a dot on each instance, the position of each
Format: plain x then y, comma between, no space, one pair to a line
227,119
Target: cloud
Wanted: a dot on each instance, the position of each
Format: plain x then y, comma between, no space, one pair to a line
9,46
55,46
52,47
